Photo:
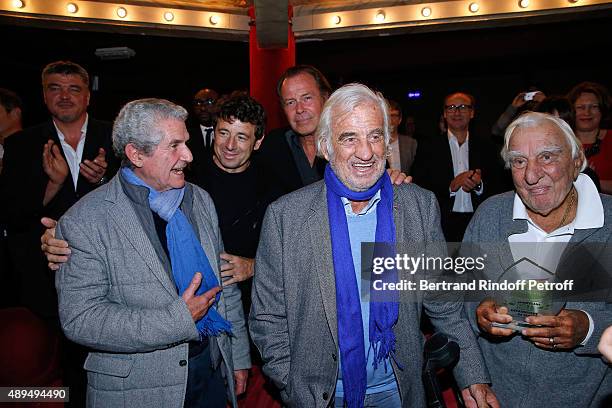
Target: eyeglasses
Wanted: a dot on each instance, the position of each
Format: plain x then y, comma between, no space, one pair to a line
583,108
200,102
461,108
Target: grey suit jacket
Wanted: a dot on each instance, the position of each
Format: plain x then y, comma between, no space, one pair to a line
524,375
293,319
407,150
116,296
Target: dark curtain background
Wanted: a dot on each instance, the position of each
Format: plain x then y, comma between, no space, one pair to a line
493,64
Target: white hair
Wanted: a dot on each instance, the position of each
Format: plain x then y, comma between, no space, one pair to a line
539,119
342,102
138,124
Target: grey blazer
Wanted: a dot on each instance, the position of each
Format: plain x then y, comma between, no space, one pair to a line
116,296
407,150
293,319
524,375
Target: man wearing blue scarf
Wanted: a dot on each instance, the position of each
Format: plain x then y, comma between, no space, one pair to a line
142,287
321,342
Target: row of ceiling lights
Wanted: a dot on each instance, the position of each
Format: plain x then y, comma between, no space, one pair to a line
379,17
122,12
427,11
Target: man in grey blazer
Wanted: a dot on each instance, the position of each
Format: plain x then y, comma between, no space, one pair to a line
555,210
307,318
141,288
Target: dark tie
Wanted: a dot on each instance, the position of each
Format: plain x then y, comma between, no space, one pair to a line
207,138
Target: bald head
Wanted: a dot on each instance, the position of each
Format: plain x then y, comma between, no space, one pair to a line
204,106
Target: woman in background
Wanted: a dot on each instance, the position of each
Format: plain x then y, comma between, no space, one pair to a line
591,103
562,108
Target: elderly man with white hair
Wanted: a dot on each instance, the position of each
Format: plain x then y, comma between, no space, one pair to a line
322,344
555,218
141,288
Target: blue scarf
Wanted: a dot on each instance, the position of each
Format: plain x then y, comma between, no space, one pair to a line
385,311
186,254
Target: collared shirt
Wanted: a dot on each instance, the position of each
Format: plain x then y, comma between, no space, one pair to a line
212,134
394,155
546,249
308,173
362,228
461,163
73,157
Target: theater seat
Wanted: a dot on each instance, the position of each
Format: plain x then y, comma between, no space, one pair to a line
260,393
29,353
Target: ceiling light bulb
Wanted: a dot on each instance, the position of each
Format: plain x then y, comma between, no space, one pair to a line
523,3
337,20
474,7
426,12
214,19
168,16
380,16
72,8
18,4
121,12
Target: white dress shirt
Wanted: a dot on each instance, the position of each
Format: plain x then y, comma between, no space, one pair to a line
536,244
461,163
212,134
73,157
394,155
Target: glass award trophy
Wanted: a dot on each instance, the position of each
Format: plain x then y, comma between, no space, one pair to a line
530,298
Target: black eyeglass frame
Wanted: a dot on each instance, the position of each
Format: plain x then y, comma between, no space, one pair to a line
462,107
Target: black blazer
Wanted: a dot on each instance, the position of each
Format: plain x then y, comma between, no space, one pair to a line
196,171
433,168
277,163
23,181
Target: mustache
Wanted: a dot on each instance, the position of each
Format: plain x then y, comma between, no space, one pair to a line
181,166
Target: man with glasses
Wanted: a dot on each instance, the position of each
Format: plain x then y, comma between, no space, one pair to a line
457,166
201,130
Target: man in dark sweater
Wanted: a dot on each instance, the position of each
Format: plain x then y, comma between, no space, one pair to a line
289,154
235,182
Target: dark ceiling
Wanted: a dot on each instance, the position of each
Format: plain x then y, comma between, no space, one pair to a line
492,63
